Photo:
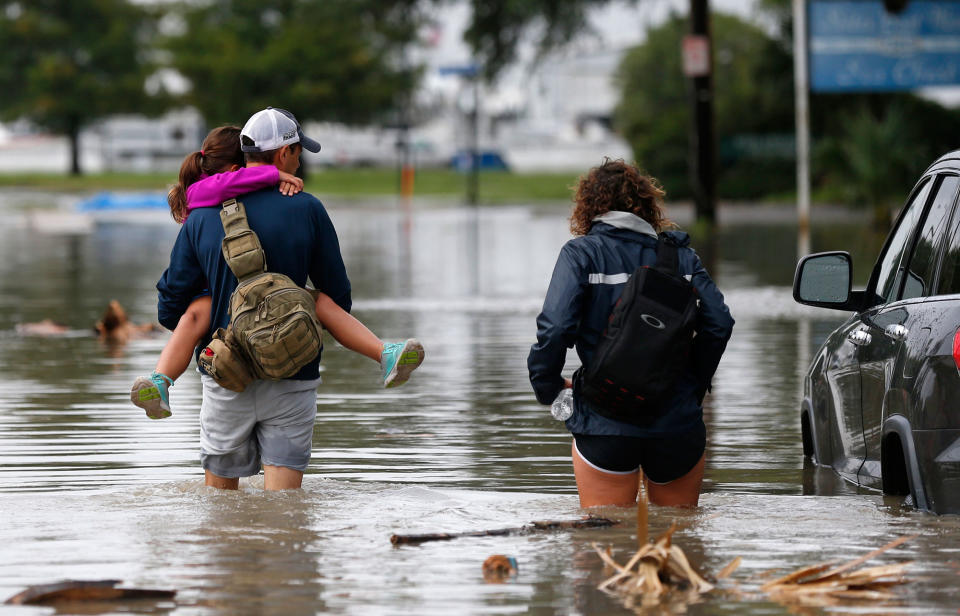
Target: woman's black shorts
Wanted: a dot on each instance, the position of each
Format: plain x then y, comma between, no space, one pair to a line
662,459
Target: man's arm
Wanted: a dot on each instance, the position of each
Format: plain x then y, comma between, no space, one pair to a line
181,283
327,271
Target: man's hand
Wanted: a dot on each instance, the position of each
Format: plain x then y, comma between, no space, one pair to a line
290,184
567,384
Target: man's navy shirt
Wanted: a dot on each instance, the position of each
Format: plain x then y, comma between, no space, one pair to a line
297,236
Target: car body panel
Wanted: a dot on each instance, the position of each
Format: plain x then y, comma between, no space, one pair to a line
879,386
884,388
841,373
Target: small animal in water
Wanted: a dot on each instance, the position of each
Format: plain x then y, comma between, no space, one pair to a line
499,568
116,328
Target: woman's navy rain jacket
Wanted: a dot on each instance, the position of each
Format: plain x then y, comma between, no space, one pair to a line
588,278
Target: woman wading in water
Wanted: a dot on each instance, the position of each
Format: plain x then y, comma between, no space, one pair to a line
616,222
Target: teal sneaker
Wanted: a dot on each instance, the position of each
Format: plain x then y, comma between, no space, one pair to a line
150,393
398,360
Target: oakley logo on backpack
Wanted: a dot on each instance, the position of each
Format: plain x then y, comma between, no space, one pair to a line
647,342
652,321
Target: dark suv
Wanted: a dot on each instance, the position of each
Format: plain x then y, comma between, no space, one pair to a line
881,401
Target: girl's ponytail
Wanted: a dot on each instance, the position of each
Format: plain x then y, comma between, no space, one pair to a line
190,171
221,152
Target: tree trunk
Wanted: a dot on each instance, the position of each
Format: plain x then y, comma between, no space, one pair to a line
73,134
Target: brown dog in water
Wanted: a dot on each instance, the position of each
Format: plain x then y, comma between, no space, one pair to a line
114,327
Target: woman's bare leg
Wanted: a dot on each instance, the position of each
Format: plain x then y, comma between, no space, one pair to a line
598,487
681,492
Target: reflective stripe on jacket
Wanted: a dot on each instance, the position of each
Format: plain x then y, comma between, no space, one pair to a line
588,278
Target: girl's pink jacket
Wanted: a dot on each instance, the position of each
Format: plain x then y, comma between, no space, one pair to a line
215,189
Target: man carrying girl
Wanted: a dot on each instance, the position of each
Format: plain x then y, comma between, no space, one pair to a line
270,422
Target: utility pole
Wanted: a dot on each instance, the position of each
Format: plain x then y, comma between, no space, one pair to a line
801,85
473,179
697,65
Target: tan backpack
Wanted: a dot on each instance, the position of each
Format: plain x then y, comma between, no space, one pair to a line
273,330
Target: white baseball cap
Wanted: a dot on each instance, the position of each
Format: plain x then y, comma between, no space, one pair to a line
271,129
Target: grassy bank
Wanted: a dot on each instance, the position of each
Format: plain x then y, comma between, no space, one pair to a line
495,186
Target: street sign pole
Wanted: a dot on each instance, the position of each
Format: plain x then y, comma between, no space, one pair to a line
697,66
802,109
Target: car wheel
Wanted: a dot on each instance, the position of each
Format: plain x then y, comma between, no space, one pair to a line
806,435
893,466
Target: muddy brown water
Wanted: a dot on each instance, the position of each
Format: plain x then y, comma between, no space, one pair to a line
91,489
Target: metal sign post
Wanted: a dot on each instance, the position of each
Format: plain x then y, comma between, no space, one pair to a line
697,61
471,72
802,112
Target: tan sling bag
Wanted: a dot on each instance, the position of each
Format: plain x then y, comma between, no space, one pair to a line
273,330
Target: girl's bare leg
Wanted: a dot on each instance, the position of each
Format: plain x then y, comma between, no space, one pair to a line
346,329
193,325
397,360
150,392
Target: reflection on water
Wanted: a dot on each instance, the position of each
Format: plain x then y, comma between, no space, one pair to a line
92,489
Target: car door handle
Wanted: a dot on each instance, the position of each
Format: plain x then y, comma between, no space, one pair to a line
859,337
896,331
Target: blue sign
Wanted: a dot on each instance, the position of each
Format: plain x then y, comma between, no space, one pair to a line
463,70
856,45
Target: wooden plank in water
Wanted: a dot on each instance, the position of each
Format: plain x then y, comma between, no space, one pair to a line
83,590
588,522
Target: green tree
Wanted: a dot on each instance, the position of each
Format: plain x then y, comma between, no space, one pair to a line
874,160
336,60
69,62
497,26
753,95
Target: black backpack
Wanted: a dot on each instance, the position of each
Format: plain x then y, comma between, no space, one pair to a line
646,344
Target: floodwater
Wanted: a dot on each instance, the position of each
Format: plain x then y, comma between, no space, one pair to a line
91,489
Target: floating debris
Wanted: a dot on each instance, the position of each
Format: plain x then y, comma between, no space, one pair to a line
83,590
660,568
542,525
499,568
656,568
825,584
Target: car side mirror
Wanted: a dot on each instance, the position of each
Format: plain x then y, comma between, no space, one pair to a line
824,279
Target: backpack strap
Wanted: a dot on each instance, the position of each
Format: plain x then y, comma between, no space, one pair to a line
241,246
668,256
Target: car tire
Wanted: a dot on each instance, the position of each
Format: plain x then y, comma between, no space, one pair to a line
806,435
893,466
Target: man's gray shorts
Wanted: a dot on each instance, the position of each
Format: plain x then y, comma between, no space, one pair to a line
270,422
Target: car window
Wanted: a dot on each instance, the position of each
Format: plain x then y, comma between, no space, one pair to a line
918,279
950,270
887,282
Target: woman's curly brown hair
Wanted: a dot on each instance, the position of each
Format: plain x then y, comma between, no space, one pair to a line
617,186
